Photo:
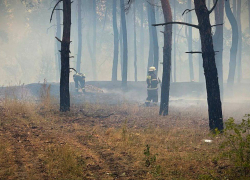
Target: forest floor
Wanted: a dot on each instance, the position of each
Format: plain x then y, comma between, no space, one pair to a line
116,141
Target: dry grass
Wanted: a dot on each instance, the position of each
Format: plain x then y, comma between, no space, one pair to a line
38,142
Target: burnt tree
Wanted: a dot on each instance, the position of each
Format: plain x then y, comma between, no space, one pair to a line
167,49
79,53
135,48
209,65
234,47
125,45
190,44
218,41
239,63
116,43
65,55
58,44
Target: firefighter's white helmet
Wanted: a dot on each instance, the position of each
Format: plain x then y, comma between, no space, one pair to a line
151,69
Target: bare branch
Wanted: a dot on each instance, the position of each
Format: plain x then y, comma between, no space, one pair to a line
73,69
59,9
54,9
194,52
187,11
217,25
50,27
182,23
209,12
58,39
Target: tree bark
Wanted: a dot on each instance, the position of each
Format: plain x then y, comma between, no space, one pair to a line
190,43
65,54
125,45
94,41
151,50
155,37
174,43
234,47
142,37
121,48
135,48
164,107
218,41
239,64
116,43
58,44
79,53
211,74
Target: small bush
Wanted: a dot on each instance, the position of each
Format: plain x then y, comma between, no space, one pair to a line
236,145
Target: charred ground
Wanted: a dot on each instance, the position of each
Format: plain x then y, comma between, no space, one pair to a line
119,139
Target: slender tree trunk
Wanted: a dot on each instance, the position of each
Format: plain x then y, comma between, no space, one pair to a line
166,59
125,45
239,64
151,50
218,41
211,74
79,54
94,41
142,37
58,44
155,37
121,48
116,43
234,48
190,43
135,48
65,54
174,43
201,70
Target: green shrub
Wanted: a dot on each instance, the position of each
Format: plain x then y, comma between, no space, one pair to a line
236,145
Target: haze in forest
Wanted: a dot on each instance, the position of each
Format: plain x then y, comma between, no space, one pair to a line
28,46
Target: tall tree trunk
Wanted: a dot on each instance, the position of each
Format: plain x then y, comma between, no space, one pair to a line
190,43
174,43
58,44
239,64
65,54
155,37
116,43
79,54
234,48
201,71
166,59
211,74
94,41
142,37
135,48
125,45
151,50
218,41
121,48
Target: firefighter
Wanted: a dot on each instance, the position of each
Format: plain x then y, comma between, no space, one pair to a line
152,87
79,79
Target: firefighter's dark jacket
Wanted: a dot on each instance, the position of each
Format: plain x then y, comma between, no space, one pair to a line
152,81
